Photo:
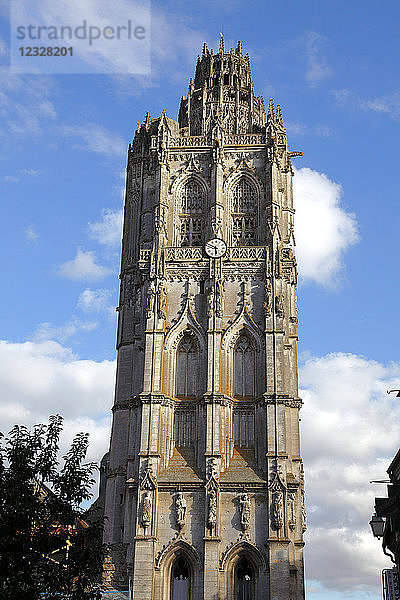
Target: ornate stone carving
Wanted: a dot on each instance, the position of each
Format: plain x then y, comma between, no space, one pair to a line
212,469
291,510
244,140
277,508
303,513
162,300
247,253
212,508
219,297
244,511
144,254
180,509
147,504
151,293
184,253
268,299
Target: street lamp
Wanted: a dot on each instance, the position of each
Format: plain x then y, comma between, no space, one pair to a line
377,525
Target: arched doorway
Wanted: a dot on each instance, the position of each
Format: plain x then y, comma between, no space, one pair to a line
180,579
244,580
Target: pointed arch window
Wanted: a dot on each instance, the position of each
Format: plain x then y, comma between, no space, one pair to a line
187,367
244,580
244,213
180,579
192,206
243,367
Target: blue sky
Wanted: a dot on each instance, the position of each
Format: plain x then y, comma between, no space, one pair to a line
333,67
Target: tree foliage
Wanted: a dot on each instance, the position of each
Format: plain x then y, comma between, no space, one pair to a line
47,551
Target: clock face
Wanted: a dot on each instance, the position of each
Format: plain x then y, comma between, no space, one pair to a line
215,248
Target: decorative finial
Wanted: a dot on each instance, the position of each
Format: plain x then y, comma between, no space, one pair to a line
221,44
279,114
138,125
205,48
239,48
163,112
147,120
271,108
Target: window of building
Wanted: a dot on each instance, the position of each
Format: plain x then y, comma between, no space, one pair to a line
184,428
243,428
187,367
244,216
243,367
192,205
180,584
244,580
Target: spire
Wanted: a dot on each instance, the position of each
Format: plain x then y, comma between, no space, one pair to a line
221,44
214,72
271,109
279,114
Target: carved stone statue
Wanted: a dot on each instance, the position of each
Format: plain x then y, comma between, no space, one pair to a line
212,508
277,508
146,509
303,513
292,513
162,301
244,511
180,509
268,299
219,288
150,299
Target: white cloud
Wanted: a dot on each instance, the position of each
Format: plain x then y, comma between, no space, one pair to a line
96,301
29,172
83,266
25,107
317,68
108,231
388,104
30,233
21,172
92,137
47,331
323,131
324,229
39,379
347,440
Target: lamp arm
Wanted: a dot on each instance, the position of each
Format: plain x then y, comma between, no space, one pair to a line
388,553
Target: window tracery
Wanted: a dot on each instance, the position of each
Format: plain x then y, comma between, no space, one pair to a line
192,201
187,366
244,217
243,367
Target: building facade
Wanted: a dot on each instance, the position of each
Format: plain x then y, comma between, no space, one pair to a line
205,491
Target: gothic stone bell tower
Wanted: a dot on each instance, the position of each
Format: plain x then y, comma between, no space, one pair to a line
205,497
